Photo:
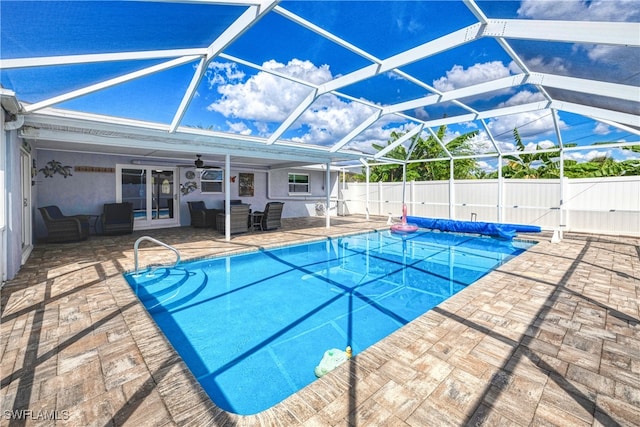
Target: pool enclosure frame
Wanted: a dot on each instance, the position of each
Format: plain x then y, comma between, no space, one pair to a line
42,125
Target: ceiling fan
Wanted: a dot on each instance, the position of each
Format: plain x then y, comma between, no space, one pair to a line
199,164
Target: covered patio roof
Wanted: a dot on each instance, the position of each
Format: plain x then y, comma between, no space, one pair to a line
321,81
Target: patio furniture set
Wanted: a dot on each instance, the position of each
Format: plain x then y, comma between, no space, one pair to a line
242,218
116,218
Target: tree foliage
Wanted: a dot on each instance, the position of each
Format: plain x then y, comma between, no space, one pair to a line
525,165
428,148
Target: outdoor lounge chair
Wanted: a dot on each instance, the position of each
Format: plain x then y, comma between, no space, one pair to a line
201,216
62,228
117,218
239,219
270,218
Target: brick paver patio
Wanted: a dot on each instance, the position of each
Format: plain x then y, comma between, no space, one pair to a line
551,338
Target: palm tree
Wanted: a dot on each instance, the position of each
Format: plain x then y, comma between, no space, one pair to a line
530,165
428,148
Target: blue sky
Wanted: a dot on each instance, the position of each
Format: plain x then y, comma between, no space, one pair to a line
233,97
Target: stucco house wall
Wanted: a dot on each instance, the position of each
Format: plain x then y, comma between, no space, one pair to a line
86,192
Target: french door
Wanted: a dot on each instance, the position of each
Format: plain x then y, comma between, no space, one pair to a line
153,191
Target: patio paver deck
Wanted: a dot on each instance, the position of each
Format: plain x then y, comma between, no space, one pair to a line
550,338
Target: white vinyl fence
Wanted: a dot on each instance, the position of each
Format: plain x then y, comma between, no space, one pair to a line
593,205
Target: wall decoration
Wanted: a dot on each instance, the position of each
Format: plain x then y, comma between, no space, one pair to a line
52,167
190,174
188,187
94,169
246,185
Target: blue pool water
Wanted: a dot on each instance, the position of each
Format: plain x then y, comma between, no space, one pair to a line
253,327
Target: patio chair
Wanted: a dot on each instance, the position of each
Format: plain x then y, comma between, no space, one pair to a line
64,228
239,219
117,218
201,216
270,218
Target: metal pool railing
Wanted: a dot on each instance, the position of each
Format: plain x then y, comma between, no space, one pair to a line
151,239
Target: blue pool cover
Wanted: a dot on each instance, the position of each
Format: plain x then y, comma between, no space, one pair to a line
505,231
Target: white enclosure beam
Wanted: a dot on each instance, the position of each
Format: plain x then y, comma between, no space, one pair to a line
613,90
188,95
556,126
293,116
490,135
418,53
598,113
413,132
589,32
624,128
355,132
46,61
593,87
439,141
498,112
253,14
464,92
109,83
324,33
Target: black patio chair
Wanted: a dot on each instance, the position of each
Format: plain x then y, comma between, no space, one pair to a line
239,219
64,228
117,218
270,218
201,216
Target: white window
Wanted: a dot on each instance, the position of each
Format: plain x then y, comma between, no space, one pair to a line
298,183
211,181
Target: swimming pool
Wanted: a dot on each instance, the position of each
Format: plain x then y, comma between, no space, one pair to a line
253,327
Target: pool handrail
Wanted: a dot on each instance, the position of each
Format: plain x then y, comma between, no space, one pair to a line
151,239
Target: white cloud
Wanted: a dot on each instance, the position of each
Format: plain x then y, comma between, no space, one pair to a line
222,72
530,125
264,97
553,65
238,127
581,10
487,167
588,156
458,76
481,143
601,129
330,118
522,97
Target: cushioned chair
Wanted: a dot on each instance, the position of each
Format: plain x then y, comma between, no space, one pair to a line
62,228
201,216
239,219
270,218
117,218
